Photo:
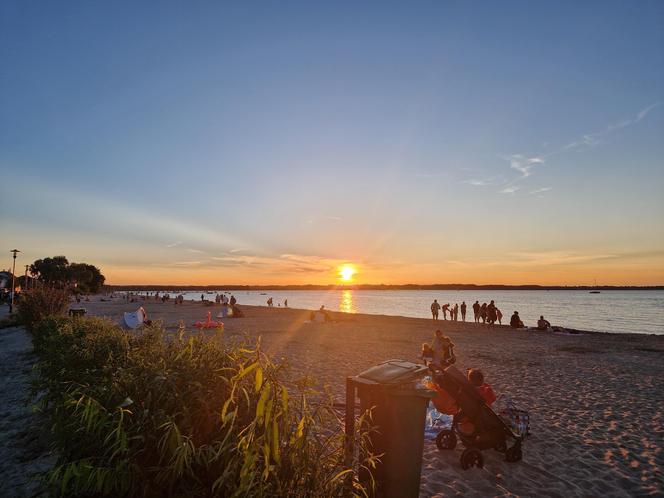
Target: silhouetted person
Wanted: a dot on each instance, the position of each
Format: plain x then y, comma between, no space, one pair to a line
491,313
456,312
476,311
483,312
445,308
463,311
435,307
515,321
543,324
499,315
233,301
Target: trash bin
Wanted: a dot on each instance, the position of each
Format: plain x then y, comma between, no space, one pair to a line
398,415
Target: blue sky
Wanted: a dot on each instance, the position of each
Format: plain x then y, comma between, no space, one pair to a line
511,142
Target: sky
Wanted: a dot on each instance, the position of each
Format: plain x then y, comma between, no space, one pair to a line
273,142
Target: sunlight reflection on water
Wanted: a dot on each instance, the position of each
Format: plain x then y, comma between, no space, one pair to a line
346,303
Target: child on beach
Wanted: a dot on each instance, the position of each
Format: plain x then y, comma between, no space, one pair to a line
476,378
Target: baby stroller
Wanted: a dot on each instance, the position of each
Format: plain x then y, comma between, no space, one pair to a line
474,422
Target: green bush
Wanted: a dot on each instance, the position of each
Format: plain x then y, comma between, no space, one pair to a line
36,304
141,415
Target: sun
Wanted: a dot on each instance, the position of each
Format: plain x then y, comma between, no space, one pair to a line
346,272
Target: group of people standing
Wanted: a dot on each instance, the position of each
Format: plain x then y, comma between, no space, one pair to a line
488,313
447,308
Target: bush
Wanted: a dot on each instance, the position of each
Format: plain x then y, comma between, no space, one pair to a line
36,304
140,415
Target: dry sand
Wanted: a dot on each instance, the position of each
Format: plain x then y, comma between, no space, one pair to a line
595,400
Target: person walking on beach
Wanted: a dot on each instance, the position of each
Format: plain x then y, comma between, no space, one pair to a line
463,311
435,307
476,311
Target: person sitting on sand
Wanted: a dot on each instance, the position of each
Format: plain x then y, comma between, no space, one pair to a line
515,321
476,378
443,350
427,353
543,324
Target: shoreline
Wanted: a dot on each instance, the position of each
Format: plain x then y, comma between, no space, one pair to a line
573,331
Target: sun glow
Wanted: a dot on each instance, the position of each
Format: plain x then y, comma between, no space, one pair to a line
346,272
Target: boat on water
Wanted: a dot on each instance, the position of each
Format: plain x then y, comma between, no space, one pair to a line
595,292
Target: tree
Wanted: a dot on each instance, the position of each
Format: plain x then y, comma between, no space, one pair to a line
52,271
58,272
88,278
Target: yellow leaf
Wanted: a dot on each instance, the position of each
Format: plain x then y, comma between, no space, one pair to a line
259,379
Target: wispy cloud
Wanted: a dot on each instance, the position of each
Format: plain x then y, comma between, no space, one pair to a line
592,139
524,164
195,251
482,182
334,218
175,244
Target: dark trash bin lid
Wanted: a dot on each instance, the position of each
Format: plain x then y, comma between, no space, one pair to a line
394,372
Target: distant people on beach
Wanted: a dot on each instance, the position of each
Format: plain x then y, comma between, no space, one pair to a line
463,311
202,297
233,301
483,312
445,309
455,311
285,303
499,315
515,321
270,303
491,313
476,311
435,307
543,324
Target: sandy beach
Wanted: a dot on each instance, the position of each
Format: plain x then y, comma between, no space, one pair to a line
595,400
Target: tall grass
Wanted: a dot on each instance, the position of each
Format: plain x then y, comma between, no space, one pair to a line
36,304
144,415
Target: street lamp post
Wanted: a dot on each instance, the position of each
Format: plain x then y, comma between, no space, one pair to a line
14,251
25,279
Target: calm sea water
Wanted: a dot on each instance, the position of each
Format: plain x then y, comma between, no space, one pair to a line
639,312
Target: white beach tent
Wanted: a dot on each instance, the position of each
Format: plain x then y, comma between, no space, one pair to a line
134,319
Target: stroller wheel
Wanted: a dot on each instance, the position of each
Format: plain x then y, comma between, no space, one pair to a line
501,447
446,440
514,454
471,458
